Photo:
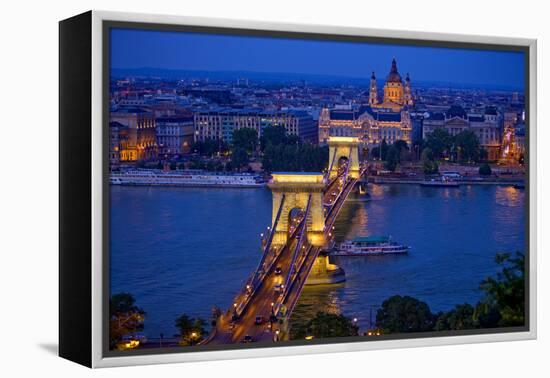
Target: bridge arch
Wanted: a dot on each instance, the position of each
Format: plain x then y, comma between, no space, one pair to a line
297,189
340,148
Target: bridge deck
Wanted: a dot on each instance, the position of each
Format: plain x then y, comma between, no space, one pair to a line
263,300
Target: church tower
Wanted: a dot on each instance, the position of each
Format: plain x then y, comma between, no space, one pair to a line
373,90
324,125
407,92
393,89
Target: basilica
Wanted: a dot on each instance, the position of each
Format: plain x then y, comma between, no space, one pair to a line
379,119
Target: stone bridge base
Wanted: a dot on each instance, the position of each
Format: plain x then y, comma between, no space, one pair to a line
324,272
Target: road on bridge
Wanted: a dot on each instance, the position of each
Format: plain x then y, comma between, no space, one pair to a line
264,301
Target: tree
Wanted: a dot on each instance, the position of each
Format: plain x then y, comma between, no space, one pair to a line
485,170
295,157
467,145
401,145
197,163
483,154
211,165
246,139
383,150
439,142
404,314
325,325
504,294
191,330
503,305
239,158
125,318
273,135
210,147
392,158
461,317
429,165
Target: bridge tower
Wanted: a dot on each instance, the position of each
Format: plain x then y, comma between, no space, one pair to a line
296,189
343,147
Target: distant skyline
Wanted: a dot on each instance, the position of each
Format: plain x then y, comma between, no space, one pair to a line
134,48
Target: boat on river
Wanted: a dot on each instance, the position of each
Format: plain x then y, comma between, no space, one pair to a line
442,181
370,245
157,177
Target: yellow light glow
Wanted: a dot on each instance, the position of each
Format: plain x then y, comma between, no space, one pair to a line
309,337
343,139
314,178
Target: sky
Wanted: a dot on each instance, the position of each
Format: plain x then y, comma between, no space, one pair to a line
132,48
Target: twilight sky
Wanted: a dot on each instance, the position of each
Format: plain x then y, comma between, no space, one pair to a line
131,48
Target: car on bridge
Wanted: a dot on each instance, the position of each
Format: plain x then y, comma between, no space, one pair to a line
279,288
259,320
247,339
278,270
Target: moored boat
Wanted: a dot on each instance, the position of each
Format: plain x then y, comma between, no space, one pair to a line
157,177
370,245
443,181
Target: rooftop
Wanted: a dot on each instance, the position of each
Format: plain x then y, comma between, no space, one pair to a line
371,239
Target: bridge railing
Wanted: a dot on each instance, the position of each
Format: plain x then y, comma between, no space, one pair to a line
256,276
255,280
267,248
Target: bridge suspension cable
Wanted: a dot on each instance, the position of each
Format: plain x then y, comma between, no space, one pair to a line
252,282
267,247
331,164
298,245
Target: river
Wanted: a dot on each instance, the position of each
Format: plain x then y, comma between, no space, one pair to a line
184,250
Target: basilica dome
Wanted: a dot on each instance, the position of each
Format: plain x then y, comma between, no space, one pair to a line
393,76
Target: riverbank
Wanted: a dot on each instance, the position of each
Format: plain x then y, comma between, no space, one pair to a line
418,181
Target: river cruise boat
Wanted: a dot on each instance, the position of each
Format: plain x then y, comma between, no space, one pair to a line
158,177
442,181
370,245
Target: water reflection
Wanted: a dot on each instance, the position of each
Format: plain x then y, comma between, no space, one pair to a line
454,234
509,196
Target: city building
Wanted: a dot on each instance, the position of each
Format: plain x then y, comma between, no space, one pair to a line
220,123
388,119
115,130
513,138
139,136
486,126
520,141
174,135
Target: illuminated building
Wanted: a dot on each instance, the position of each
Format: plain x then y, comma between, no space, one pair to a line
115,130
140,135
455,120
520,141
220,123
174,135
511,151
393,89
373,90
387,120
